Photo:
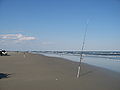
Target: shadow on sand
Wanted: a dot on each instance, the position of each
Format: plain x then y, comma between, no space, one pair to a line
4,75
5,55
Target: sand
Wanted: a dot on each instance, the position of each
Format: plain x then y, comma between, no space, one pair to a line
38,72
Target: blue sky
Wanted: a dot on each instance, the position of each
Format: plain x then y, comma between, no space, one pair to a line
59,24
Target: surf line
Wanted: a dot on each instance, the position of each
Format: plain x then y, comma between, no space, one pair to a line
82,50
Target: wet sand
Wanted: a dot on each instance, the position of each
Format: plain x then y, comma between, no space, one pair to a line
38,72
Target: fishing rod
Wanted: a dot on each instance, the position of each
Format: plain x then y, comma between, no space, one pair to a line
82,49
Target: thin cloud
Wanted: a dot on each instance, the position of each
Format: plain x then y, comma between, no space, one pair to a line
18,37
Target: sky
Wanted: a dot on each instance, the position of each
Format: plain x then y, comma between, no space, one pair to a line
59,24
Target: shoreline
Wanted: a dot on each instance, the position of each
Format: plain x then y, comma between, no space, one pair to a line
102,67
39,72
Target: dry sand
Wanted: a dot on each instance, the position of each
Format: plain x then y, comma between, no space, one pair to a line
38,72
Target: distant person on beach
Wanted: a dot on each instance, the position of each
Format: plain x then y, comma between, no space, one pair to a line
24,55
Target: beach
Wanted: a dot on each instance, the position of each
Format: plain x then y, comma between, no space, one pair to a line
28,71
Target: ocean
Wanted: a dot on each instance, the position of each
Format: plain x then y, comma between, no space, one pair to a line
105,59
